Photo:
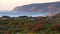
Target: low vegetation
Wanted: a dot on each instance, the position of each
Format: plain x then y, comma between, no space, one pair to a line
30,25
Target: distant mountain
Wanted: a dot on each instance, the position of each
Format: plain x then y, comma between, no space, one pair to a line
52,8
40,7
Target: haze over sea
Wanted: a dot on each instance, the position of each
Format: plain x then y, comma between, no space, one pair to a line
22,13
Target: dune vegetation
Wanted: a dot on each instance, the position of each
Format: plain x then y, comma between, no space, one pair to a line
30,25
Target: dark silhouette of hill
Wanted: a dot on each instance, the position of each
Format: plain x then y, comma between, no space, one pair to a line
52,8
40,7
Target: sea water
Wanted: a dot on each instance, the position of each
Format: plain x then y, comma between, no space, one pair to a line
22,13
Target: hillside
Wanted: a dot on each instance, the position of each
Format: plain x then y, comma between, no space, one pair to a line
53,7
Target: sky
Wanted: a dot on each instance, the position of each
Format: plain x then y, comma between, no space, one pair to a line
10,4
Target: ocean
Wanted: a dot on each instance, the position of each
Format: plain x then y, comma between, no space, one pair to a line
22,13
